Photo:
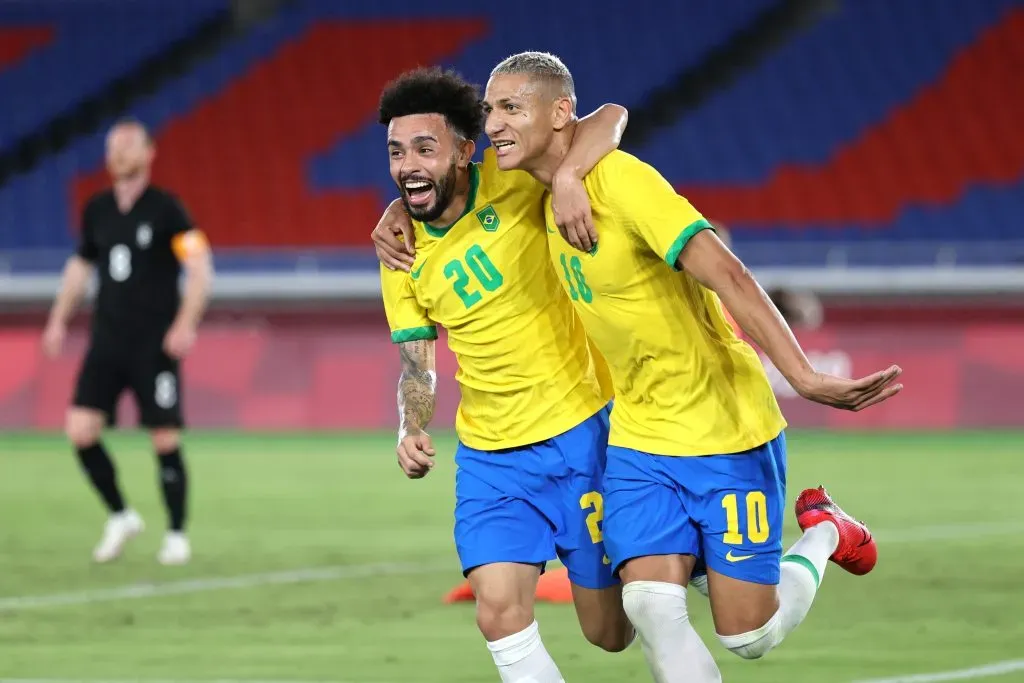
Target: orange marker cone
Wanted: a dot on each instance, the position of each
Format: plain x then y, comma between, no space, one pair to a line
461,593
553,587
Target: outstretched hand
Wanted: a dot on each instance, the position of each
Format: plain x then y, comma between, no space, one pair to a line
852,394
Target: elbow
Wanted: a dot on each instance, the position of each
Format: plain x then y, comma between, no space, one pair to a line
729,278
739,278
620,115
616,110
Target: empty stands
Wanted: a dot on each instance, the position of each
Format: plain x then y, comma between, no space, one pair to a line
53,54
879,123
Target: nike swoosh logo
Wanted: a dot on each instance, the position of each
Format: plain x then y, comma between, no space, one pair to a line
737,558
416,273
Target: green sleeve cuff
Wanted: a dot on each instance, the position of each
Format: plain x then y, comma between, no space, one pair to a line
689,231
414,334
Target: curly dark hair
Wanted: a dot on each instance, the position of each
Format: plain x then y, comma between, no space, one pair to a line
434,91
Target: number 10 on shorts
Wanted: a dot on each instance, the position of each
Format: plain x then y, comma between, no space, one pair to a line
757,518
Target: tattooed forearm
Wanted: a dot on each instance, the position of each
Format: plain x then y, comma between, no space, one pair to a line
417,385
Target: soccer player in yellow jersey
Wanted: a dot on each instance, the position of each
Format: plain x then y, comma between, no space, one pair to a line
533,419
697,455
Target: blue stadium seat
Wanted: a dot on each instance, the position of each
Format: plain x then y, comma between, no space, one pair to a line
36,207
825,90
615,57
94,43
822,88
606,69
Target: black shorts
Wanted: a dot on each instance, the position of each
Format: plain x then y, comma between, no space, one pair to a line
151,374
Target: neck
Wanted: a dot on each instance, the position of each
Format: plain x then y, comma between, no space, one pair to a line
544,168
128,189
459,200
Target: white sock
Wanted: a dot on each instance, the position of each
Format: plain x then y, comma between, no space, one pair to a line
673,650
521,658
802,569
700,584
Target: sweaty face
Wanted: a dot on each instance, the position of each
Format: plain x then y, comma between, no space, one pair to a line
128,151
424,162
518,119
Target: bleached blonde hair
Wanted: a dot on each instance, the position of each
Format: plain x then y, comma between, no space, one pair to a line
542,65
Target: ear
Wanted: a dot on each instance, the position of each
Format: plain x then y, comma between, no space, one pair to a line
562,114
466,151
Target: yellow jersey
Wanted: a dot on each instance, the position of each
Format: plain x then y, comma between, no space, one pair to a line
684,383
525,367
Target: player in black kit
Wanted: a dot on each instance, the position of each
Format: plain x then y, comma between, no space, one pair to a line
138,239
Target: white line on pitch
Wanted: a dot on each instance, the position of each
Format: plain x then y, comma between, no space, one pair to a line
949,532
341,572
150,590
163,680
986,671
166,680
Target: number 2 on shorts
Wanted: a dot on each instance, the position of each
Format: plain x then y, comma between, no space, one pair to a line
757,519
592,500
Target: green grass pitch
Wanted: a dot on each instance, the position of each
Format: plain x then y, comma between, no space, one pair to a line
948,593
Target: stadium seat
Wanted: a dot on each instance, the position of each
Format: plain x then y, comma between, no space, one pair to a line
273,144
878,124
54,53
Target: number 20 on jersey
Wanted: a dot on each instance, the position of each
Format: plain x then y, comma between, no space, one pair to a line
484,272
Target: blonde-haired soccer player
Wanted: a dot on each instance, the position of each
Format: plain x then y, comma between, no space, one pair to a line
697,453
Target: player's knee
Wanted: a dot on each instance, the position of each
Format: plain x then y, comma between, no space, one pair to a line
614,636
83,428
165,440
650,604
500,616
756,643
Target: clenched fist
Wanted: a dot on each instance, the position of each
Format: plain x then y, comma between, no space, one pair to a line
416,453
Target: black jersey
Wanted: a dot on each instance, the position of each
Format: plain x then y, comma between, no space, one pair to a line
138,271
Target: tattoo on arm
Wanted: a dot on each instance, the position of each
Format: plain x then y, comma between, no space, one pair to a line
417,385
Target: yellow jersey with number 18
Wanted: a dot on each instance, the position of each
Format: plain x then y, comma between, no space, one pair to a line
684,383
525,369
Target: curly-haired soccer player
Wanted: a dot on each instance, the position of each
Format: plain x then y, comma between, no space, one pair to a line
533,419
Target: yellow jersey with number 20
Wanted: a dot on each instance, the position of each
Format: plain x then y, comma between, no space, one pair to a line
524,364
684,383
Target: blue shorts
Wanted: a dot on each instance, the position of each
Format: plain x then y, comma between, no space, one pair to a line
533,503
725,509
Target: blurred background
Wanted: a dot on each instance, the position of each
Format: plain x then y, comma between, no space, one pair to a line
866,156
869,152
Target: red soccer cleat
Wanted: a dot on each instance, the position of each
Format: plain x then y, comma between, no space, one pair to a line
856,552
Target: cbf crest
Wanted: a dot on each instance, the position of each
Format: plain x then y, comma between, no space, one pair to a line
488,218
144,235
